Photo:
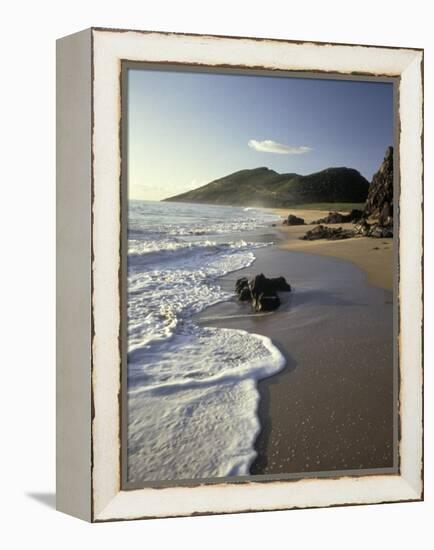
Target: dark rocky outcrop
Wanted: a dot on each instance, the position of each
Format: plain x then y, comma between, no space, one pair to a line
376,219
329,233
380,194
293,220
379,204
379,232
375,230
337,217
385,219
363,228
261,291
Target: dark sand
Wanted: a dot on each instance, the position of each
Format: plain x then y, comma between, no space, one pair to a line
332,407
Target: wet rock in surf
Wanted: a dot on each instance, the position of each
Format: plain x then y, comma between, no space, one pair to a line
244,294
241,283
279,284
263,285
242,289
266,302
261,291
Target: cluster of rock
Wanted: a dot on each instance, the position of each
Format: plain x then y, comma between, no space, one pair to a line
293,220
363,228
336,217
329,233
375,220
261,292
375,230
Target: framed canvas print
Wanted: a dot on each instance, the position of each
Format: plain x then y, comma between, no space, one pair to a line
239,274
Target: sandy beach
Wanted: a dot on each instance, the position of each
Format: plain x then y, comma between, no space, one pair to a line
332,407
373,256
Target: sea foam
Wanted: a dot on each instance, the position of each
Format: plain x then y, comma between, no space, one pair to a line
192,395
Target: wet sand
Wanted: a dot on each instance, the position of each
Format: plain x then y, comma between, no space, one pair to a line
332,407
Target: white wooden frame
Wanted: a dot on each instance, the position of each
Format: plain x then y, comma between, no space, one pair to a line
88,264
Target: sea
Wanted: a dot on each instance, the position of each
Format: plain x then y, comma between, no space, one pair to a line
192,390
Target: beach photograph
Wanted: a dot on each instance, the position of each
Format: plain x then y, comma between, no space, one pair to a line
260,275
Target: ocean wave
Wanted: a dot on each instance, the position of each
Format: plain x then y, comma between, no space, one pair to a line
192,395
158,298
169,245
195,415
182,223
144,254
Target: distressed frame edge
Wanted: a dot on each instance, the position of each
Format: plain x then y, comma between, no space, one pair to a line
412,204
406,493
409,490
254,38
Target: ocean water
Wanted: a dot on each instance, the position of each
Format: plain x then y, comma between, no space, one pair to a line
192,394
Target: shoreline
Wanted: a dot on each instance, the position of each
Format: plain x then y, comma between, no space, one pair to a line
332,405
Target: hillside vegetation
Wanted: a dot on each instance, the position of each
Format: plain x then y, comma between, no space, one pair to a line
265,187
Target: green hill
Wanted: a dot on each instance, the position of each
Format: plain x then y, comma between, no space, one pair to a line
265,187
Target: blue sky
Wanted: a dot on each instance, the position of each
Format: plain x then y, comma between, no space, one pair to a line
187,128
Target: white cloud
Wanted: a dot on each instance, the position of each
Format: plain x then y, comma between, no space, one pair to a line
270,146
